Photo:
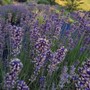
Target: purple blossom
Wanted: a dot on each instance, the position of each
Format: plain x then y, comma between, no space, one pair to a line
40,62
16,65
64,77
10,80
16,37
12,76
1,39
21,85
42,45
83,81
34,35
72,71
58,57
20,9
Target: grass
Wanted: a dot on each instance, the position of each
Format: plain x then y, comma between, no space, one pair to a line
85,6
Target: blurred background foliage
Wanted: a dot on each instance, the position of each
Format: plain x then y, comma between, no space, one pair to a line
84,6
73,4
4,2
51,2
70,4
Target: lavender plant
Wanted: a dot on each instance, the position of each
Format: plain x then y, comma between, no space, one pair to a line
40,37
21,85
16,37
58,57
12,76
83,81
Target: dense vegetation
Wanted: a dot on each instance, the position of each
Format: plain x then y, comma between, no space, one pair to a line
44,47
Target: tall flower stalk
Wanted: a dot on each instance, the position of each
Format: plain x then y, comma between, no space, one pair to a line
16,37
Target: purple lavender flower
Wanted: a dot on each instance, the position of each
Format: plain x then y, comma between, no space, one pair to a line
16,36
14,9
34,35
12,76
21,85
64,77
72,72
10,81
16,65
42,82
60,54
1,40
40,62
43,55
42,45
58,57
83,81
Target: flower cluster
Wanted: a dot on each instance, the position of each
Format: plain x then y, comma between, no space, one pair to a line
1,40
83,82
58,57
39,62
17,10
34,34
34,28
10,80
16,36
16,66
12,76
64,77
21,85
42,45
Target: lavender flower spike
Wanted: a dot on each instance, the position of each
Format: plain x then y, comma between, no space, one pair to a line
83,82
16,65
21,85
42,45
16,36
58,57
10,81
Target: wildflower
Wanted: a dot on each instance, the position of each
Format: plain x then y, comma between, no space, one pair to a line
21,85
16,65
42,45
58,57
1,40
64,77
10,80
16,36
12,76
83,81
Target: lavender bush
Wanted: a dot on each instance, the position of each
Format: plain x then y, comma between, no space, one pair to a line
40,47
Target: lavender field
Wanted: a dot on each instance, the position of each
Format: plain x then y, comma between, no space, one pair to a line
44,47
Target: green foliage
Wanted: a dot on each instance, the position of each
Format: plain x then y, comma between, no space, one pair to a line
72,5
5,2
51,2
